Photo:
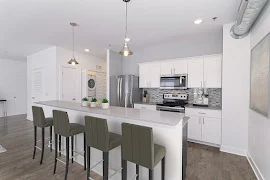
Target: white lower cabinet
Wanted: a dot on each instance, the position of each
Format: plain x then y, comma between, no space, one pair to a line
204,125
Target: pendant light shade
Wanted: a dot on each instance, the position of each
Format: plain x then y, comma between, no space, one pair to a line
126,51
73,61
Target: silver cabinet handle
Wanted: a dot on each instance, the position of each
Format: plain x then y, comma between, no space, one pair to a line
203,120
171,70
120,91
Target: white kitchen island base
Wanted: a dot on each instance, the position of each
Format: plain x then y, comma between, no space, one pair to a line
167,134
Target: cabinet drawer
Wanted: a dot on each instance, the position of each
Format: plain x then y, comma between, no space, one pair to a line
203,112
145,106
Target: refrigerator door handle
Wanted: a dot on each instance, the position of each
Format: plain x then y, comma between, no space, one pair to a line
126,98
118,90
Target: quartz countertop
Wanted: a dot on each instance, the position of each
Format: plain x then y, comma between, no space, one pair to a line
157,117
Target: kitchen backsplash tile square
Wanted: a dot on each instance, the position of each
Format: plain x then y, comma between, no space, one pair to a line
214,95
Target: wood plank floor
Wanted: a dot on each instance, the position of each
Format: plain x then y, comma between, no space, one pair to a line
16,135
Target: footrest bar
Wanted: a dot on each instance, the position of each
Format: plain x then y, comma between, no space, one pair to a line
117,171
96,164
135,176
38,148
60,161
44,139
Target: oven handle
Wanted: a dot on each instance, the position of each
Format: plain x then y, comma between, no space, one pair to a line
173,109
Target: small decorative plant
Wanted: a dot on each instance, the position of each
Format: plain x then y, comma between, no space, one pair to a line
93,102
85,101
105,103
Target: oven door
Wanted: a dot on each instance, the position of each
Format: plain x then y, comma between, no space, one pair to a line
173,81
170,109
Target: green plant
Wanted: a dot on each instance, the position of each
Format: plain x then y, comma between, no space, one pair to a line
85,99
94,100
105,100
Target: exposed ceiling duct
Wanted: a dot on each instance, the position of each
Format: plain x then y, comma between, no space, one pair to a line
248,12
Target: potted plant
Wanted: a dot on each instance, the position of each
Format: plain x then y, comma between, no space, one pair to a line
105,103
93,102
85,101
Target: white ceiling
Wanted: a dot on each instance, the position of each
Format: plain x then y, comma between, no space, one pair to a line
28,26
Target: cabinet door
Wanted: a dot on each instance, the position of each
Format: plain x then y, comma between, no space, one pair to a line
211,130
194,128
195,73
154,71
166,67
212,72
180,66
144,75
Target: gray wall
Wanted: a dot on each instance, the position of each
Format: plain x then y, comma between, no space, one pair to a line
115,64
195,45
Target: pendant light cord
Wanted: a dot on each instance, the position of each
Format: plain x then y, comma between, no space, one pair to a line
73,43
126,21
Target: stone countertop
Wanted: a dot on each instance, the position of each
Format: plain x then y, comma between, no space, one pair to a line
156,117
203,107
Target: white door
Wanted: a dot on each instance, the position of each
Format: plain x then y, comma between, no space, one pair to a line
166,67
180,66
37,85
144,76
195,73
68,84
194,128
212,71
154,71
211,131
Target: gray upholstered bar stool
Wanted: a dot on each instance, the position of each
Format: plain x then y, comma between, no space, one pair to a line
98,137
39,120
138,147
62,127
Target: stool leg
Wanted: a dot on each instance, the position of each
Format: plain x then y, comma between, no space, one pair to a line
84,147
124,169
67,157
35,141
43,142
105,165
88,162
56,147
72,147
163,169
51,138
151,174
60,145
137,171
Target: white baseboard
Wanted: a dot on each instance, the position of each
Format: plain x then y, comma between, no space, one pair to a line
254,167
29,118
232,150
204,143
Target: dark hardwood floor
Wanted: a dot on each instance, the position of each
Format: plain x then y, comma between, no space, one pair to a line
16,135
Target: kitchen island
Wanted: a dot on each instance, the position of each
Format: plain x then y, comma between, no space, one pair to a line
167,131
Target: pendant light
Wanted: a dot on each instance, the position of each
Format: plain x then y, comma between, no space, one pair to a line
73,60
126,51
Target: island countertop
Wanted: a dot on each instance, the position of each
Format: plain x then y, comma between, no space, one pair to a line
156,117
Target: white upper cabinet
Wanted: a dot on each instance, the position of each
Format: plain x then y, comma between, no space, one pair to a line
149,75
166,67
154,71
144,75
195,72
212,71
180,66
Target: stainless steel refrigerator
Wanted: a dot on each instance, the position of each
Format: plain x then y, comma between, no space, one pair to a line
124,90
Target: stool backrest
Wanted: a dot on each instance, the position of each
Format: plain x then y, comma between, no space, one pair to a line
38,116
61,123
138,145
97,134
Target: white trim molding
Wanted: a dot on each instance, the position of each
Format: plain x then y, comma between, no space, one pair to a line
254,167
232,150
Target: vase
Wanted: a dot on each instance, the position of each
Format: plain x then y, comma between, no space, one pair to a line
93,104
84,103
105,105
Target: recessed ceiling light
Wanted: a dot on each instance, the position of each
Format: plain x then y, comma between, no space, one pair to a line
87,50
198,21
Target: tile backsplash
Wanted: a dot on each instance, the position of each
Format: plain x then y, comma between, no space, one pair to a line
214,95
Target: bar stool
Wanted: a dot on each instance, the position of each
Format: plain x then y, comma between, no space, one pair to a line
138,147
62,127
39,120
98,137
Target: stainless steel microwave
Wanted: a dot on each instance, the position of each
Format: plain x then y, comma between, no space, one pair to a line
174,81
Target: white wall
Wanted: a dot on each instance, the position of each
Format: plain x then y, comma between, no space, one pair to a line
195,45
259,126
235,93
13,86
